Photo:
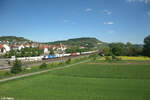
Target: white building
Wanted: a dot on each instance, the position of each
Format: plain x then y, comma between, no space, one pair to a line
20,47
61,48
46,51
1,49
6,48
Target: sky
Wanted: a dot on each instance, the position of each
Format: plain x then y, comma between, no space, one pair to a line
51,20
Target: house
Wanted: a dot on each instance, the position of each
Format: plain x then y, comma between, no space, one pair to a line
6,48
44,48
27,45
61,48
46,51
14,47
33,45
20,47
81,47
1,49
52,47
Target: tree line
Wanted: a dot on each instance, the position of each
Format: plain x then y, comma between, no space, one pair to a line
25,52
128,49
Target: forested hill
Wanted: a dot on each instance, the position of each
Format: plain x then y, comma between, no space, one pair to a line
85,41
13,39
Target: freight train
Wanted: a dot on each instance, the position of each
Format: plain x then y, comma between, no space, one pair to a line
53,56
67,54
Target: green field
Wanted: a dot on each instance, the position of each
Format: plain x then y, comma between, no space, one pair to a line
89,81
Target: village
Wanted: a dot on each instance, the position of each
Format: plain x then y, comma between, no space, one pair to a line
6,47
33,52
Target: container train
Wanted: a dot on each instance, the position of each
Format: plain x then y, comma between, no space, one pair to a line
53,56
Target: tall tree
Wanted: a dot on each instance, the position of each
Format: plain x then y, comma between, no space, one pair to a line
51,52
16,67
118,49
146,49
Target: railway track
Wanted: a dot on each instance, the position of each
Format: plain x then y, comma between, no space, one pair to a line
61,59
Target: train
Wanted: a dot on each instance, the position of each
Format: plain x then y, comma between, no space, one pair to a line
67,54
53,56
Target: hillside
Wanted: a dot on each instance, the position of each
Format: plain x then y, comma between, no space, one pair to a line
85,41
13,39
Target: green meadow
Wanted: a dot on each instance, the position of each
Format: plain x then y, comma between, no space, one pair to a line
87,81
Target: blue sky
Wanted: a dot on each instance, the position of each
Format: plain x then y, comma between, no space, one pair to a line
51,20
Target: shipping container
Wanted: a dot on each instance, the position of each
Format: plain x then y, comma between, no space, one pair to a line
67,54
78,53
74,54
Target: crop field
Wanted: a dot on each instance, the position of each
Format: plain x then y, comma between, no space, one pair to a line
135,58
130,58
88,81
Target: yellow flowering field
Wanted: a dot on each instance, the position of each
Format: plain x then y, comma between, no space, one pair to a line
141,58
134,58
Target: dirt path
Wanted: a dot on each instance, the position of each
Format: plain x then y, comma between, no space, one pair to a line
36,73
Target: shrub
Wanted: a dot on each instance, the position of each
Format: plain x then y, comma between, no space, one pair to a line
44,65
16,67
61,63
114,57
94,56
108,58
68,61
52,64
118,59
7,73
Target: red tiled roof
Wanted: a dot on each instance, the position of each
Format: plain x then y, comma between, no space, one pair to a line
43,46
1,46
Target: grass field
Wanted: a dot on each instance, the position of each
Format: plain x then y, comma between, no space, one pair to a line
89,81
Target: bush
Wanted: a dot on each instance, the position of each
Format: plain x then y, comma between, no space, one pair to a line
108,58
112,58
115,58
94,56
7,73
68,61
44,65
52,64
16,67
61,63
118,59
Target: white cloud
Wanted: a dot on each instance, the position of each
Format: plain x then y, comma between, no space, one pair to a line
66,21
142,1
69,21
109,23
88,9
148,13
111,31
107,12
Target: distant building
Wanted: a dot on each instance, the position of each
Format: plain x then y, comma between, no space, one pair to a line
44,48
46,51
81,47
6,48
61,48
52,47
27,45
1,49
21,47
14,47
